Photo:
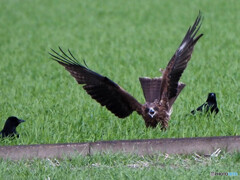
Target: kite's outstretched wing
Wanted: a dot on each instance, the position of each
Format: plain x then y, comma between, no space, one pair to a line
99,87
179,61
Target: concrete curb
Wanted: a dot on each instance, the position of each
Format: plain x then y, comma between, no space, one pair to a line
201,145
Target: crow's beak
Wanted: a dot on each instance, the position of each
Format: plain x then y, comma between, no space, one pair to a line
21,120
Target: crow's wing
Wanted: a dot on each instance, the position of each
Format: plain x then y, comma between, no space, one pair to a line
204,107
99,87
179,61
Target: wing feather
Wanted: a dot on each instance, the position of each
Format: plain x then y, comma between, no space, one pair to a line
100,88
179,61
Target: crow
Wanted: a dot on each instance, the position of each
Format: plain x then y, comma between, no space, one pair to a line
160,93
9,129
210,104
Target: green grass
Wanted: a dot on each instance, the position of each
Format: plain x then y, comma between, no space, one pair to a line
122,40
121,166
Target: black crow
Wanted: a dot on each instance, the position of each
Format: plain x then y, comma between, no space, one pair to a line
211,103
160,93
10,126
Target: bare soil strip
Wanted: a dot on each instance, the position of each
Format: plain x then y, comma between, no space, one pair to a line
200,145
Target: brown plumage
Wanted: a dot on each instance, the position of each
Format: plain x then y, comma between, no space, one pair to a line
160,93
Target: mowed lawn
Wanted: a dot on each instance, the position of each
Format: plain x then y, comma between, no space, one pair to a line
119,166
123,40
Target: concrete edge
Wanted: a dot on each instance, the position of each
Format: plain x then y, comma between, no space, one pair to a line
201,145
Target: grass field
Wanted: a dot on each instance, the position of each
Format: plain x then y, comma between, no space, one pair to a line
122,40
121,166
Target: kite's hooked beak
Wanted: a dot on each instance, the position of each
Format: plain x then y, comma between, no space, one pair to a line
151,112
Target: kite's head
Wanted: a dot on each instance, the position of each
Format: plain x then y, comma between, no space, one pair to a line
152,110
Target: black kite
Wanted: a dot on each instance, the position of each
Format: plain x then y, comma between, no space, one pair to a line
160,93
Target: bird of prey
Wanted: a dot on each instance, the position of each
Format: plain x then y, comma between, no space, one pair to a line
160,92
10,126
210,104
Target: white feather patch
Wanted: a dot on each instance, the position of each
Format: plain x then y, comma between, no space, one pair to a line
170,112
182,46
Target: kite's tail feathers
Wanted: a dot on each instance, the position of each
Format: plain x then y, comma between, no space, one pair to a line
151,88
